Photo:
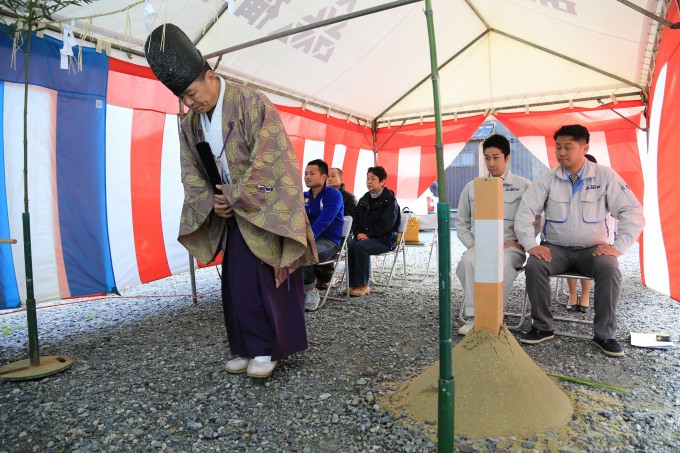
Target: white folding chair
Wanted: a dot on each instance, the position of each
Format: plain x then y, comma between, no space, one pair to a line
395,252
429,242
340,256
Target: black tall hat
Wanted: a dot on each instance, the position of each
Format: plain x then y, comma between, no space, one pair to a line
173,58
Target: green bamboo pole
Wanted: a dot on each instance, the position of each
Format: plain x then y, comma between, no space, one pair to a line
446,382
31,318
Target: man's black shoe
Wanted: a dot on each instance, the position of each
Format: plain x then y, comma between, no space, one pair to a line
611,347
534,336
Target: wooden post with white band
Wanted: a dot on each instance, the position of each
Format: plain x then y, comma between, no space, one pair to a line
488,229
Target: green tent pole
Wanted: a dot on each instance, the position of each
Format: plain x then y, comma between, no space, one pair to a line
446,381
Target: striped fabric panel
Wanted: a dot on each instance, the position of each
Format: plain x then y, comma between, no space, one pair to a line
172,197
42,196
118,196
654,258
9,292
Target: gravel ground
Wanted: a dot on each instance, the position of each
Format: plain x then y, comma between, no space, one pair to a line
148,375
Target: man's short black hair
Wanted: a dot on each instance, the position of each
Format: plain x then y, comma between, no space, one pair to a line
323,166
497,141
379,171
339,170
575,131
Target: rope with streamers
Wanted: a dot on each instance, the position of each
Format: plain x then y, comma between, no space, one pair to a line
118,11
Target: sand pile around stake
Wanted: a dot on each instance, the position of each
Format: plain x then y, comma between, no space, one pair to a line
499,390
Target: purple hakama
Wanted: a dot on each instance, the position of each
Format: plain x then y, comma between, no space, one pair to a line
260,318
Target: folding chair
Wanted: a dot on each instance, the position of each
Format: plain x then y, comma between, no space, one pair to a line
430,243
399,249
340,255
560,280
559,284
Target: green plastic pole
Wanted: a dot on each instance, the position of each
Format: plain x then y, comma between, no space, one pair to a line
446,382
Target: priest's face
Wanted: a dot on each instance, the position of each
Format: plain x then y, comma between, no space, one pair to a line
201,95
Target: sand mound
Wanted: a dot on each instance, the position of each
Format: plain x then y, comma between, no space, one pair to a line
499,390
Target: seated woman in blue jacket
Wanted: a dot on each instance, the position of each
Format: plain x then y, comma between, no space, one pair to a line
375,228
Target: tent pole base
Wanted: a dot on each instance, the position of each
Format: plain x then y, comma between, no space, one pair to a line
24,371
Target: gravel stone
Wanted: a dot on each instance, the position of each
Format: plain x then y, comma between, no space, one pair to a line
148,375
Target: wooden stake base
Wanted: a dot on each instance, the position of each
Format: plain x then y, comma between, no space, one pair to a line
24,371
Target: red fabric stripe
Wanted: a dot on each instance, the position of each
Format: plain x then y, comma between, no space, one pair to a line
667,175
328,153
620,134
624,158
145,180
349,169
392,140
428,168
305,125
136,87
315,126
130,68
390,161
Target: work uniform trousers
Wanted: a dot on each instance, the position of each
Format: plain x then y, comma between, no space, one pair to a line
603,269
260,318
513,259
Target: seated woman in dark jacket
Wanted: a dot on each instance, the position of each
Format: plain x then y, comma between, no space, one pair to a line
375,227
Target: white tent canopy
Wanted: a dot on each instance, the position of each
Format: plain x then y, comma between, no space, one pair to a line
494,55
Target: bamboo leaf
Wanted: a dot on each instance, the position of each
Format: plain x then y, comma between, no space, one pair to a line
595,384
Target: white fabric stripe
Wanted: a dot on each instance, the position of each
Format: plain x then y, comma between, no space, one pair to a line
489,251
642,149
42,107
408,176
365,161
172,196
339,156
313,150
451,151
537,146
654,260
598,148
118,196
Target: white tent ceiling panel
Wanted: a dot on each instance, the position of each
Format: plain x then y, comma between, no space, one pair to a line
355,64
603,34
365,65
520,73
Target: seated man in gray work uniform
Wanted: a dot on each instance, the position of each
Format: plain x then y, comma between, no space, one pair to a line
577,198
496,150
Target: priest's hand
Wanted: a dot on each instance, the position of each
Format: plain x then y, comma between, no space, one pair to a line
221,208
